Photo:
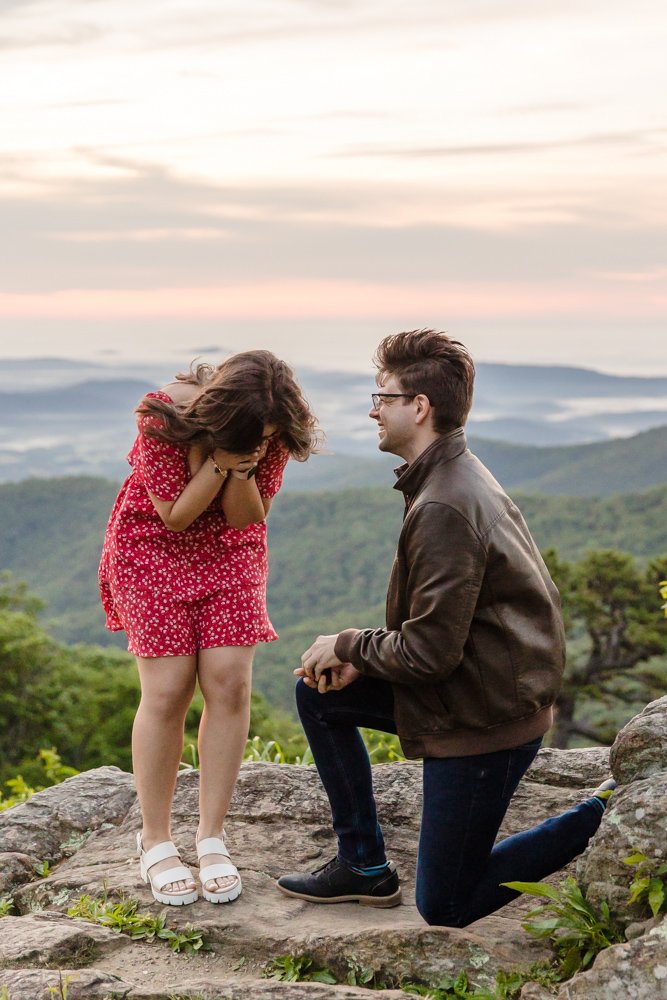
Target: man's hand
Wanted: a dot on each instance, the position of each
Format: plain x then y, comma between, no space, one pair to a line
320,656
321,668
333,679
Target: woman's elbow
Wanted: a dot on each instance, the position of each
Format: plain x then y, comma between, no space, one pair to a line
239,523
176,524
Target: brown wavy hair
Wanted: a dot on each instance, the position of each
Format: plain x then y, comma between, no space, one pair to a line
431,363
236,399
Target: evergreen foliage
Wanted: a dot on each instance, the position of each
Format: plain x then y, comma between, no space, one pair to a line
330,557
329,552
616,632
81,699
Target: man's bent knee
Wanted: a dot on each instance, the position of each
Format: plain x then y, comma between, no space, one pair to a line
437,914
306,697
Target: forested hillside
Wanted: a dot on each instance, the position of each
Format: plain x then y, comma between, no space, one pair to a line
330,554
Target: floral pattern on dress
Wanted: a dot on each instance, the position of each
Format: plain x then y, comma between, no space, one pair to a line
150,576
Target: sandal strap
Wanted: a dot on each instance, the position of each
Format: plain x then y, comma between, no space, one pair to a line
210,872
211,845
177,874
159,853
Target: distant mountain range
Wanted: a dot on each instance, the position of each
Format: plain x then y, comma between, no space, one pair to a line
548,429
600,469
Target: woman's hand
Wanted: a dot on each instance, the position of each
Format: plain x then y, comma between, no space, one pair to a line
234,462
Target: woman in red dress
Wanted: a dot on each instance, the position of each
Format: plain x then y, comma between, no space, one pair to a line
183,572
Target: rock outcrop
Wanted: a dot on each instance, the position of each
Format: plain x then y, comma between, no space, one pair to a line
280,821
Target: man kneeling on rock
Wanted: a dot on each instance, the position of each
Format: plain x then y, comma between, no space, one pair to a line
466,671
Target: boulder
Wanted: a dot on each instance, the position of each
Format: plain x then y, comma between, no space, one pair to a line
55,822
15,870
634,822
635,817
54,940
78,984
280,821
640,749
633,971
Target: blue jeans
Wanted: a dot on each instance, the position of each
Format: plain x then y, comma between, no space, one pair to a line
459,866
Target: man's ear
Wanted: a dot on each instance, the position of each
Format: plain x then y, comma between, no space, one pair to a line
423,411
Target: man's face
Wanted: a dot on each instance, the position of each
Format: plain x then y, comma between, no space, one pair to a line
395,419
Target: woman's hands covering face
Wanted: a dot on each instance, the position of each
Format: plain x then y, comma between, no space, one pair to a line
237,462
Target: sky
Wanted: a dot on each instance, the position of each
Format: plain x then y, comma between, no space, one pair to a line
196,176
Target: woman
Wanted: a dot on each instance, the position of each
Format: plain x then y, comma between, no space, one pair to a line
183,572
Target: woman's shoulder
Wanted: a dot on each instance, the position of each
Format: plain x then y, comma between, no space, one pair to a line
179,392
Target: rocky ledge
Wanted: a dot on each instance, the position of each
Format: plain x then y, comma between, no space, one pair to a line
85,829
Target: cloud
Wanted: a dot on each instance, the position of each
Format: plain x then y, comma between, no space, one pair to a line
140,229
629,139
63,36
208,24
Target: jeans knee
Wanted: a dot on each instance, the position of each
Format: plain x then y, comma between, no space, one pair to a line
432,910
305,698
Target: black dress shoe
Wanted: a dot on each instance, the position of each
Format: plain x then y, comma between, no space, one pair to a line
335,882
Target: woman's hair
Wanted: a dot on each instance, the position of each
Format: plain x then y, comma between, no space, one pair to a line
431,363
235,401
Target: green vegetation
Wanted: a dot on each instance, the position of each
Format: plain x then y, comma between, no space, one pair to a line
122,916
297,969
82,700
507,985
615,634
649,886
272,752
61,990
577,931
330,552
331,555
586,470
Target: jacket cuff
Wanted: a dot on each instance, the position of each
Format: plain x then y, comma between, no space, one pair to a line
344,643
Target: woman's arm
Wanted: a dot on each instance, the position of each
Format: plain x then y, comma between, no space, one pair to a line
241,503
204,486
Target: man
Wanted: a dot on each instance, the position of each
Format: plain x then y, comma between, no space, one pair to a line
466,670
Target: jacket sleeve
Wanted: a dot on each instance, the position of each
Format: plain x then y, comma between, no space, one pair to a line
446,560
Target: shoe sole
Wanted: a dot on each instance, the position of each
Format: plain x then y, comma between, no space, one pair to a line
224,896
171,899
382,902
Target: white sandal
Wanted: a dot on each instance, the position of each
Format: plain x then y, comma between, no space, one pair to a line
157,882
216,845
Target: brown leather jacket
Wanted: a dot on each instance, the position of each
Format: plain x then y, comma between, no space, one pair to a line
474,645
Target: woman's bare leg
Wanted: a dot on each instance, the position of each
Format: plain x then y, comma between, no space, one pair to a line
225,676
167,686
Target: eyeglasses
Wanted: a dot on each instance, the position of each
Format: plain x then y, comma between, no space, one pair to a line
379,397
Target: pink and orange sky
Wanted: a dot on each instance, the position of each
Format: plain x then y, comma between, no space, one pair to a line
309,175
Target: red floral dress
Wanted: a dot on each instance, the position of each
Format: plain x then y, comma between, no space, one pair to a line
177,592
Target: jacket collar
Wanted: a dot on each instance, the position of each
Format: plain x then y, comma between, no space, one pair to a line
446,447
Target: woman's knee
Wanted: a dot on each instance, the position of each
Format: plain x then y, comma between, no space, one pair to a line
167,703
228,693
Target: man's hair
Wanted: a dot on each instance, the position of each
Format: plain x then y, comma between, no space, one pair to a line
429,362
